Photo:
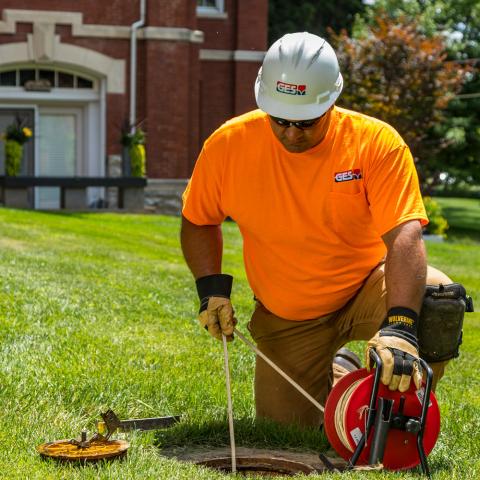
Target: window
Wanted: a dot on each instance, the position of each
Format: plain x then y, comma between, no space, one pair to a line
26,76
207,3
48,75
65,80
211,8
8,79
84,83
57,79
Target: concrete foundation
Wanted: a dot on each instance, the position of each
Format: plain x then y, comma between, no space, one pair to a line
75,198
16,197
165,195
133,199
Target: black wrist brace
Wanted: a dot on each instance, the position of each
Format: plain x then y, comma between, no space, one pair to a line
401,322
216,285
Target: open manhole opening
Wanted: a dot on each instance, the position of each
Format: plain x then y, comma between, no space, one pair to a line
260,466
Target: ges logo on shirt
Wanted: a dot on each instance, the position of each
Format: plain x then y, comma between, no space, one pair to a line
348,175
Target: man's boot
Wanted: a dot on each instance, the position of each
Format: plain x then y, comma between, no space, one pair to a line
344,362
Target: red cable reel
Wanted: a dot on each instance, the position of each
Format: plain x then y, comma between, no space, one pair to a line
401,428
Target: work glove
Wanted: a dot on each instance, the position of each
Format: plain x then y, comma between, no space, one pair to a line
216,312
397,346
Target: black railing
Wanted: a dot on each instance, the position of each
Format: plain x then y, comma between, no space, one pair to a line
17,191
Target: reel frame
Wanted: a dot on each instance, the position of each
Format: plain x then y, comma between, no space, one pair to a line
381,419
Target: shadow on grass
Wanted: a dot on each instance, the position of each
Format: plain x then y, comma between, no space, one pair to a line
463,235
248,433
261,434
70,213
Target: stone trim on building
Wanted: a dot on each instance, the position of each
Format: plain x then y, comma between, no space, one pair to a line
171,33
79,29
50,49
229,55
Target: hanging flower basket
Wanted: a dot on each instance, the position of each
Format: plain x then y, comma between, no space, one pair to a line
134,145
15,136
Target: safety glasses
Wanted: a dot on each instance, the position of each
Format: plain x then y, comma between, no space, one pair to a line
300,124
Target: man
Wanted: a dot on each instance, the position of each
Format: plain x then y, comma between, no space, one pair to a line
328,204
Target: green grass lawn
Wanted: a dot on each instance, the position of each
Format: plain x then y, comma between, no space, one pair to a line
98,311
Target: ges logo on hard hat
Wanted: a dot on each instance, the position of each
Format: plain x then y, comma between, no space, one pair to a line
291,88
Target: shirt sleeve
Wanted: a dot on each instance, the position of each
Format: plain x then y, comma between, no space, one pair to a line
202,197
393,191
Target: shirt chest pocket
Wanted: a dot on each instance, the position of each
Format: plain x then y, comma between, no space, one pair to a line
351,217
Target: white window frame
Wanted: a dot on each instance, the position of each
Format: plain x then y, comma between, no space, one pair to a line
56,70
218,11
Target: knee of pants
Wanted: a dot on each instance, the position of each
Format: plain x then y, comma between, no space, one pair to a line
438,370
277,400
436,277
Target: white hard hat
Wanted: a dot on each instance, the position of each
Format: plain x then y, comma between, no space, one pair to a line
299,79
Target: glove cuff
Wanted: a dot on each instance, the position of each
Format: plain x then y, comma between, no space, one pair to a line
408,337
216,285
401,319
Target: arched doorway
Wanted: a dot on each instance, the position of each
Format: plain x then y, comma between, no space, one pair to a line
65,108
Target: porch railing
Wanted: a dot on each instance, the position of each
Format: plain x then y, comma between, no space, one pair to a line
17,192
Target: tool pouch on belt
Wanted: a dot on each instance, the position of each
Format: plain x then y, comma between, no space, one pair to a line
441,321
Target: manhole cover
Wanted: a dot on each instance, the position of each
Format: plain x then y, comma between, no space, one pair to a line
96,450
263,466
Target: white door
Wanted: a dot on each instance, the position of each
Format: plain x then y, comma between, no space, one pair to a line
60,150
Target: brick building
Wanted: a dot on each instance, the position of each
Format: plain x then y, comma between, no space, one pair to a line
68,72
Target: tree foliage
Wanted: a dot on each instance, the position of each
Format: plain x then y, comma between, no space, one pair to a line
458,22
288,16
395,72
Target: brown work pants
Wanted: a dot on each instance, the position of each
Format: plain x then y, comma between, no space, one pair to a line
305,350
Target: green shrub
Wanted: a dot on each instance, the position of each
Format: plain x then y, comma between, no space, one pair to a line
13,157
137,159
134,141
437,222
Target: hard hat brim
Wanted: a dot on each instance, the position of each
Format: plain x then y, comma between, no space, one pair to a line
294,111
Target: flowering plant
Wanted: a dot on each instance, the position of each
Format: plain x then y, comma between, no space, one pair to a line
137,137
133,139
18,132
15,136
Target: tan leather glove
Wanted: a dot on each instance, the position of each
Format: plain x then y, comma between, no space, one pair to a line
218,318
396,345
216,312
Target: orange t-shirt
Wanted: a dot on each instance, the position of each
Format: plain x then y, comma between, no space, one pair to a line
311,222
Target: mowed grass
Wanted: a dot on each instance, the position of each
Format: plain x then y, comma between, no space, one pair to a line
463,216
98,311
